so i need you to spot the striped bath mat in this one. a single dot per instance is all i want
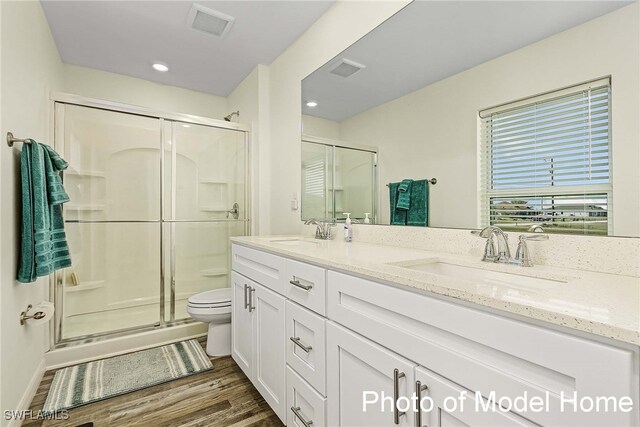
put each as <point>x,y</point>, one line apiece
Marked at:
<point>89,382</point>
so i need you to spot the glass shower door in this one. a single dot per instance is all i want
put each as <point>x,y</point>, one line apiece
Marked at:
<point>204,205</point>
<point>354,183</point>
<point>317,181</point>
<point>112,221</point>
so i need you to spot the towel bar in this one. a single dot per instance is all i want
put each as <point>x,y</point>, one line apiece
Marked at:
<point>11,139</point>
<point>431,181</point>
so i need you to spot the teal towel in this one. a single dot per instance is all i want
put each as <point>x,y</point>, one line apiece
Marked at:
<point>418,211</point>
<point>418,214</point>
<point>397,216</point>
<point>404,195</point>
<point>44,246</point>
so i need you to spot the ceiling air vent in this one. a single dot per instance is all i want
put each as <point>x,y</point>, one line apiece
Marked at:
<point>346,68</point>
<point>210,21</point>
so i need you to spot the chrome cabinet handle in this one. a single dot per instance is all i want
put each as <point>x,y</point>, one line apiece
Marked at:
<point>246,304</point>
<point>419,389</point>
<point>396,395</point>
<point>296,411</point>
<point>305,348</point>
<point>251,292</point>
<point>297,283</point>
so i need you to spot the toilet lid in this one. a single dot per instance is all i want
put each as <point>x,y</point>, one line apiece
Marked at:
<point>219,297</point>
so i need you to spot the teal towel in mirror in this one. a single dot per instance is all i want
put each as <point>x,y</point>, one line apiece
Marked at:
<point>404,194</point>
<point>397,216</point>
<point>44,246</point>
<point>417,211</point>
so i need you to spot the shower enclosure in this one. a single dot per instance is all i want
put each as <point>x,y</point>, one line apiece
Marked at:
<point>154,200</point>
<point>337,179</point>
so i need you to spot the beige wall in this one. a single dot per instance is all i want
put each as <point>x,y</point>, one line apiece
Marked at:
<point>433,132</point>
<point>30,68</point>
<point>322,128</point>
<point>251,98</point>
<point>337,29</point>
<point>104,85</point>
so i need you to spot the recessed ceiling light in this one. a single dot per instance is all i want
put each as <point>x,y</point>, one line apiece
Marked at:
<point>312,104</point>
<point>158,66</point>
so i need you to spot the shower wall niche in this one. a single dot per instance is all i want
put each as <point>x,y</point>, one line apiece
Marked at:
<point>149,219</point>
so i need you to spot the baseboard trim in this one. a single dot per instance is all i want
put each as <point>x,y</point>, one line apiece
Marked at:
<point>30,392</point>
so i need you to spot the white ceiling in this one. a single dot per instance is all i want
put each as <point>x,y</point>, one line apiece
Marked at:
<point>428,41</point>
<point>126,37</point>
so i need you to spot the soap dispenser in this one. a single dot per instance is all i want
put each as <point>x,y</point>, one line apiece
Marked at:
<point>348,232</point>
<point>366,218</point>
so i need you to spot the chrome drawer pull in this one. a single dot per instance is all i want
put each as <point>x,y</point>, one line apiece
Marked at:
<point>396,395</point>
<point>296,411</point>
<point>297,342</point>
<point>419,389</point>
<point>246,304</point>
<point>251,306</point>
<point>300,285</point>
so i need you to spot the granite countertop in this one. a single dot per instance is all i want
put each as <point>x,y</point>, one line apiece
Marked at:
<point>607,305</point>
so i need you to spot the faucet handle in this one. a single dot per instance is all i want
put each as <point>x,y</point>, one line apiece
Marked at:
<point>535,237</point>
<point>523,256</point>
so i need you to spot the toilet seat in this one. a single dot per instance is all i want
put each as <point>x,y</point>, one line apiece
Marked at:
<point>217,298</point>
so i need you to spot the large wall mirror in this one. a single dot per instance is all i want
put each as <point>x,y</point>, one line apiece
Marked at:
<point>526,113</point>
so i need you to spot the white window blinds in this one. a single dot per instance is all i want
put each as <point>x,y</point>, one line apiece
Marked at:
<point>545,162</point>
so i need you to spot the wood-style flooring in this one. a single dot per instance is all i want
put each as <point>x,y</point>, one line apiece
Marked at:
<point>221,397</point>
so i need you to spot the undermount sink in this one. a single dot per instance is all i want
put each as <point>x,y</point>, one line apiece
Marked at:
<point>294,242</point>
<point>481,275</point>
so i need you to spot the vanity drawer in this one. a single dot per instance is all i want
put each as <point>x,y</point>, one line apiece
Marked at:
<point>486,352</point>
<point>306,285</point>
<point>304,403</point>
<point>307,329</point>
<point>262,267</point>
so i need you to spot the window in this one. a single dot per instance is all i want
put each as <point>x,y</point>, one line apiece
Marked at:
<point>545,162</point>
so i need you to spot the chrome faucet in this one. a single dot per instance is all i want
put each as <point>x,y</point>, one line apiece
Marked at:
<point>497,247</point>
<point>324,228</point>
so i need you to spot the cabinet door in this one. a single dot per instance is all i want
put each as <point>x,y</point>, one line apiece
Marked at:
<point>360,381</point>
<point>241,324</point>
<point>269,348</point>
<point>446,404</point>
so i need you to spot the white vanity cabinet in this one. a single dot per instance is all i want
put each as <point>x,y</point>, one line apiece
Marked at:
<point>357,368</point>
<point>257,337</point>
<point>320,346</point>
<point>488,353</point>
<point>278,332</point>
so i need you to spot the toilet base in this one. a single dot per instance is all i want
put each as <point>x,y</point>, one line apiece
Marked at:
<point>219,339</point>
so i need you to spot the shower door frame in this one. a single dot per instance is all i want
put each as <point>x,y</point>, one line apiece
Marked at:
<point>164,118</point>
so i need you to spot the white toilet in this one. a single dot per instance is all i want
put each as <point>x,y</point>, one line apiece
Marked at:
<point>214,307</point>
